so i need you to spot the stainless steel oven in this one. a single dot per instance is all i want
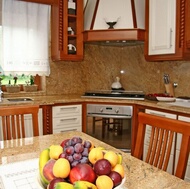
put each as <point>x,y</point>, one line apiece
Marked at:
<point>110,124</point>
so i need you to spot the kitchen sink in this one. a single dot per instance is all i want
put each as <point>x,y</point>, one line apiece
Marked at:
<point>19,99</point>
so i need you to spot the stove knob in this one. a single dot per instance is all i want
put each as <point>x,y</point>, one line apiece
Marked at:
<point>101,109</point>
<point>117,111</point>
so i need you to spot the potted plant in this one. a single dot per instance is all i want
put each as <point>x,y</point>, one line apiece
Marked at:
<point>30,86</point>
<point>13,88</point>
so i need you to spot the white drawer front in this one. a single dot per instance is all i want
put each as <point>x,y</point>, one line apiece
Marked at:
<point>65,129</point>
<point>67,110</point>
<point>67,122</point>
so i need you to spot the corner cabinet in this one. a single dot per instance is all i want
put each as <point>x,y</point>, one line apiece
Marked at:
<point>167,30</point>
<point>67,30</point>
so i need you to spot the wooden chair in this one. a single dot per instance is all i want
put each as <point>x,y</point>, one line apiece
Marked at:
<point>12,120</point>
<point>162,136</point>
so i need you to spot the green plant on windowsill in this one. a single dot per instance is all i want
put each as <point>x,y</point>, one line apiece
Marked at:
<point>30,86</point>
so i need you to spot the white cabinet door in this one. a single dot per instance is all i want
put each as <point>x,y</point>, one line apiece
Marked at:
<point>179,137</point>
<point>147,137</point>
<point>67,118</point>
<point>162,27</point>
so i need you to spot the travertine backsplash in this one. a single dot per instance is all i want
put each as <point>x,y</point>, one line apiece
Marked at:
<point>102,64</point>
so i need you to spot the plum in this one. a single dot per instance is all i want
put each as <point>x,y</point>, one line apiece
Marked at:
<point>102,167</point>
<point>116,178</point>
<point>53,182</point>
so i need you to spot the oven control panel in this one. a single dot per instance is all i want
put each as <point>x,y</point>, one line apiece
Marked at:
<point>108,110</point>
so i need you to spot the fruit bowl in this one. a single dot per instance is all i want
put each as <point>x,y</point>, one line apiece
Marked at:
<point>121,186</point>
<point>77,164</point>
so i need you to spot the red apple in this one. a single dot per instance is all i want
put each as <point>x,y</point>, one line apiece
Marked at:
<point>116,178</point>
<point>102,167</point>
<point>83,172</point>
<point>48,170</point>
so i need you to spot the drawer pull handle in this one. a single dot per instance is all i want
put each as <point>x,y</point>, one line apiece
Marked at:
<point>68,119</point>
<point>62,131</point>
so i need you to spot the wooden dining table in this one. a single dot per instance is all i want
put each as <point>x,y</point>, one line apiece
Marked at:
<point>139,175</point>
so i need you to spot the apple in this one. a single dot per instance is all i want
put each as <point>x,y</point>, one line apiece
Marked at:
<point>116,178</point>
<point>48,170</point>
<point>83,172</point>
<point>102,167</point>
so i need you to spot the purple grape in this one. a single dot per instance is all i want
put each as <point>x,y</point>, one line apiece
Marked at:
<point>77,156</point>
<point>87,144</point>
<point>74,163</point>
<point>70,158</point>
<point>85,152</point>
<point>63,155</point>
<point>69,150</point>
<point>79,148</point>
<point>68,143</point>
<point>76,140</point>
<point>84,160</point>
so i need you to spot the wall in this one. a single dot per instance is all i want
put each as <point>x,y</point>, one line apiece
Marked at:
<point>103,63</point>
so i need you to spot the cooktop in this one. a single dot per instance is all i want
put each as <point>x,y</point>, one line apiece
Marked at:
<point>115,94</point>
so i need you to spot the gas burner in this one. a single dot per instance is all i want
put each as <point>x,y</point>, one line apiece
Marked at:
<point>133,95</point>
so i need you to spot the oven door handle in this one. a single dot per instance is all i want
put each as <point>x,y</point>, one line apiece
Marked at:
<point>110,116</point>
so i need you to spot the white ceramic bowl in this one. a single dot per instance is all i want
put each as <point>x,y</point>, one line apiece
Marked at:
<point>121,186</point>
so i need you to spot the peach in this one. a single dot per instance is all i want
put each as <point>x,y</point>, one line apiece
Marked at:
<point>48,170</point>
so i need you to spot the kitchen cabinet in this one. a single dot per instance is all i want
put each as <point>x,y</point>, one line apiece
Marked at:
<point>147,138</point>
<point>67,30</point>
<point>28,122</point>
<point>67,118</point>
<point>167,30</point>
<point>179,137</point>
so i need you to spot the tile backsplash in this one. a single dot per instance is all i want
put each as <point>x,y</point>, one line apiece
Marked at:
<point>102,64</point>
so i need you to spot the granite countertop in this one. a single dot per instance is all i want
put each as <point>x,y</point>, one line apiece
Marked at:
<point>139,175</point>
<point>58,99</point>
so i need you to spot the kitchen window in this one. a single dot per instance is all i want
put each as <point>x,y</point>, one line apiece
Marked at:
<point>24,37</point>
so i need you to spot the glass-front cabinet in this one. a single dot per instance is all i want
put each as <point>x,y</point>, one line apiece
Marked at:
<point>67,30</point>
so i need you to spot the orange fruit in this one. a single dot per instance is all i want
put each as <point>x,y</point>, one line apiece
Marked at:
<point>112,157</point>
<point>120,169</point>
<point>104,182</point>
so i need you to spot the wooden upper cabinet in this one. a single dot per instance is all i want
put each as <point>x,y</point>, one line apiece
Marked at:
<point>67,30</point>
<point>167,34</point>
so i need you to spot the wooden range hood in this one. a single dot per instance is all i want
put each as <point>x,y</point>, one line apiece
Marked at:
<point>114,21</point>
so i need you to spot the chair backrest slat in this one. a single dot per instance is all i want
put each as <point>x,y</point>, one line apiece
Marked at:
<point>163,136</point>
<point>13,124</point>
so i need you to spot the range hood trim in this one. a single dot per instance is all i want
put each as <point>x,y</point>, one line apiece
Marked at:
<point>114,35</point>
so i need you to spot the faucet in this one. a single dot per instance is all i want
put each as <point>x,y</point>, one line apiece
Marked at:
<point>1,92</point>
